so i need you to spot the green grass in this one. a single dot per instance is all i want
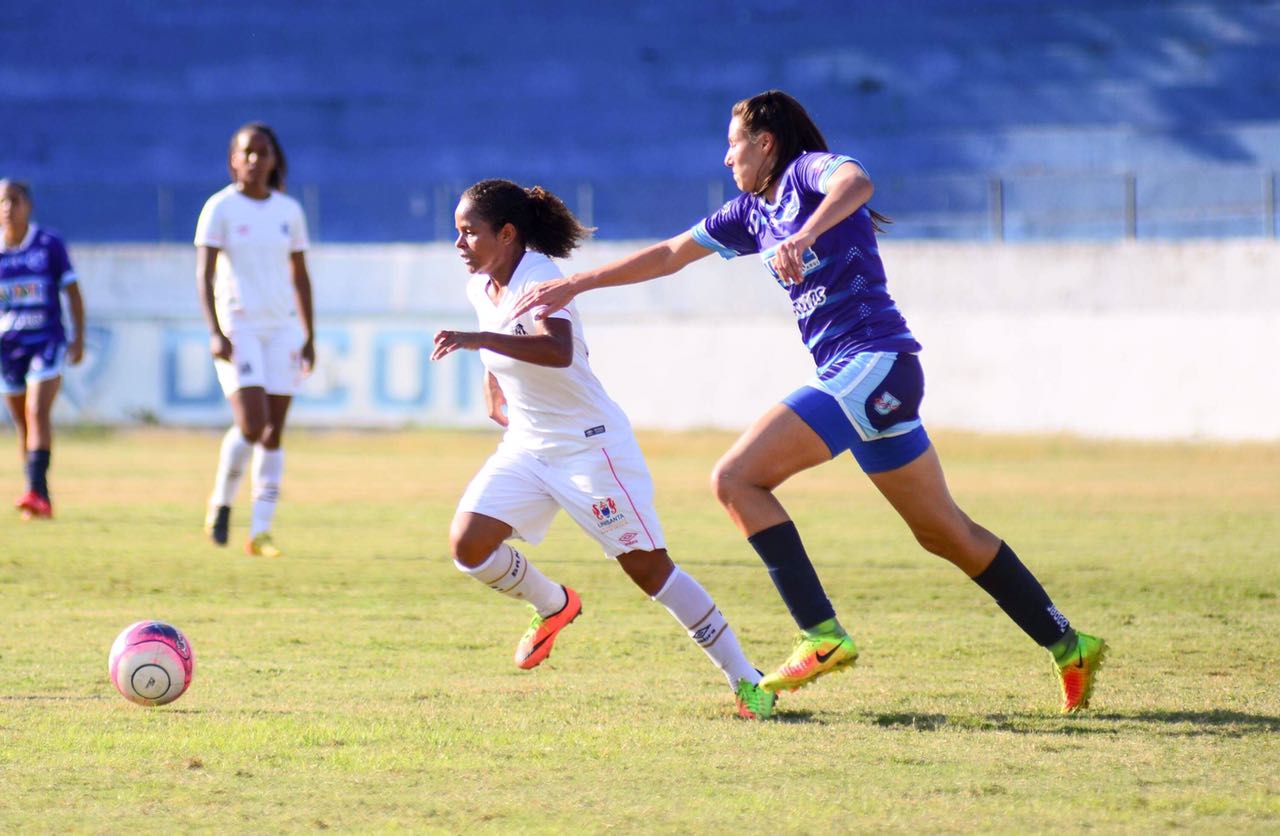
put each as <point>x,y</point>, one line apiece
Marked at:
<point>362,683</point>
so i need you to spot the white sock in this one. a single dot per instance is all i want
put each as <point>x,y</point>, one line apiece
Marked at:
<point>268,468</point>
<point>232,458</point>
<point>685,598</point>
<point>509,572</point>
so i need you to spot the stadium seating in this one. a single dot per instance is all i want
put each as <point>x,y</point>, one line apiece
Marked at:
<point>987,119</point>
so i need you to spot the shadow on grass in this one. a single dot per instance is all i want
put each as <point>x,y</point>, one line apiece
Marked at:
<point>1219,723</point>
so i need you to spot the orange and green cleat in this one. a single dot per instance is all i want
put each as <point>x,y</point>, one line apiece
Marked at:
<point>535,644</point>
<point>263,546</point>
<point>754,702</point>
<point>1078,670</point>
<point>815,655</point>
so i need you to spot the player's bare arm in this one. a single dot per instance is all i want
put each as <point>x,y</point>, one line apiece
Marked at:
<point>206,268</point>
<point>848,191</point>
<point>661,259</point>
<point>75,303</point>
<point>550,345</point>
<point>302,290</point>
<point>494,400</point>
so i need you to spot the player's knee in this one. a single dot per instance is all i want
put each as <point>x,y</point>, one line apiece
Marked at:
<point>469,549</point>
<point>648,570</point>
<point>727,481</point>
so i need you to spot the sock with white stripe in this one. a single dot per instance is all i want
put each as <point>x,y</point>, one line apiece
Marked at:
<point>268,469</point>
<point>511,573</point>
<point>685,598</point>
<point>232,458</point>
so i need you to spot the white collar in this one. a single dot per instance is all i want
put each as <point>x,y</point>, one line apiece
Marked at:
<point>23,244</point>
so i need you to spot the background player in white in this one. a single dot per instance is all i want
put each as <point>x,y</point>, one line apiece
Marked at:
<point>567,445</point>
<point>251,242</point>
<point>34,272</point>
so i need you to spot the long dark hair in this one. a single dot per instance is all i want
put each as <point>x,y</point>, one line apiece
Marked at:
<point>276,181</point>
<point>793,130</point>
<point>544,224</point>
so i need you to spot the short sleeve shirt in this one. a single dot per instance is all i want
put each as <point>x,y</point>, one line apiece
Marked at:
<point>255,239</point>
<point>32,276</point>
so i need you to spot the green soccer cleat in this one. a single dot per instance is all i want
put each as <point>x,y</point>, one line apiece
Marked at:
<point>754,702</point>
<point>1077,673</point>
<point>814,656</point>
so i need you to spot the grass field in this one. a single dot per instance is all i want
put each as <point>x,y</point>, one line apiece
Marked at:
<point>361,683</point>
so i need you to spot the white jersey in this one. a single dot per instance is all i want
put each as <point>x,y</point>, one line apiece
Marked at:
<point>549,410</point>
<point>254,282</point>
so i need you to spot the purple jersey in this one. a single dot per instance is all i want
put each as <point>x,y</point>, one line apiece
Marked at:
<point>32,276</point>
<point>842,307</point>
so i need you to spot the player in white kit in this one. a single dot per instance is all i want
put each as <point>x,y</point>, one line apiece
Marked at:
<point>254,288</point>
<point>567,444</point>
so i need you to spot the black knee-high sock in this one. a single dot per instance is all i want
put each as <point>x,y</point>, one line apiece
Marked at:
<point>1022,597</point>
<point>38,472</point>
<point>792,573</point>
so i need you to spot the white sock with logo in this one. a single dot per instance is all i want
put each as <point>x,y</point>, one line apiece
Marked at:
<point>232,458</point>
<point>509,572</point>
<point>685,598</point>
<point>268,469</point>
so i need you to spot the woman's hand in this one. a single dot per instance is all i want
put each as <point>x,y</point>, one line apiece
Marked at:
<point>308,356</point>
<point>788,259</point>
<point>220,346</point>
<point>447,342</point>
<point>545,298</point>
<point>75,351</point>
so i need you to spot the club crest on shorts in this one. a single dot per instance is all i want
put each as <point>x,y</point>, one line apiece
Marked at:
<point>607,515</point>
<point>885,404</point>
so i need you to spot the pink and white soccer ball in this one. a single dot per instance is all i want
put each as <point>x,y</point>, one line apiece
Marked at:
<point>151,663</point>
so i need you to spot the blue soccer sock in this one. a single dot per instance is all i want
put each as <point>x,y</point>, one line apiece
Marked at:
<point>1022,598</point>
<point>793,574</point>
<point>38,472</point>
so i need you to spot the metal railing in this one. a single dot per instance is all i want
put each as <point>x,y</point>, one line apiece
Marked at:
<point>1213,203</point>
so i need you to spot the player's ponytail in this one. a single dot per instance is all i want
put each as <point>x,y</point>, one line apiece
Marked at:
<point>541,220</point>
<point>553,229</point>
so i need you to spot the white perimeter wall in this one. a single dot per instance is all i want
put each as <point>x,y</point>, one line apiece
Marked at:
<point>1132,340</point>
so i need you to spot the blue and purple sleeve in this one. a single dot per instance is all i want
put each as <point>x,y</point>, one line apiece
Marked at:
<point>727,231</point>
<point>815,168</point>
<point>60,263</point>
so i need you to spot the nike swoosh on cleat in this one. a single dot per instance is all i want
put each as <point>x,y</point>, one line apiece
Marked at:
<point>1080,660</point>
<point>822,660</point>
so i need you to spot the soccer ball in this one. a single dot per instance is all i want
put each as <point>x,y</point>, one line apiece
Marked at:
<point>151,663</point>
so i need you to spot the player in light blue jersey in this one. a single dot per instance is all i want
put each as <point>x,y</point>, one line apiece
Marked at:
<point>34,273</point>
<point>804,211</point>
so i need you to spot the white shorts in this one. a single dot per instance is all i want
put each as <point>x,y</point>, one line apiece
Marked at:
<point>269,357</point>
<point>608,492</point>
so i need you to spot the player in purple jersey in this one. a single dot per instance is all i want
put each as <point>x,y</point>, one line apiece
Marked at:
<point>805,212</point>
<point>34,272</point>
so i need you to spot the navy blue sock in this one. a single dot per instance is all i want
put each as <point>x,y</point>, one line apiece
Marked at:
<point>1022,598</point>
<point>38,472</point>
<point>792,573</point>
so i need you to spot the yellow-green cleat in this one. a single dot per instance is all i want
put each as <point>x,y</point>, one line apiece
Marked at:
<point>754,702</point>
<point>1078,671</point>
<point>263,546</point>
<point>813,656</point>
